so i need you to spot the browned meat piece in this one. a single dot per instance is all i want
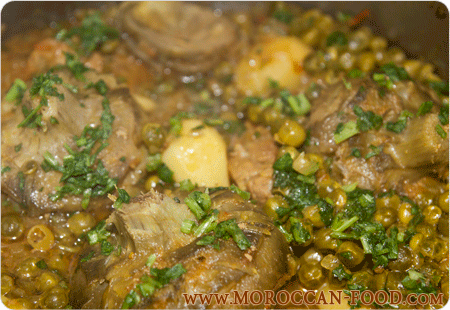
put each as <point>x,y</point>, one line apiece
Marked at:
<point>150,224</point>
<point>251,160</point>
<point>335,105</point>
<point>181,36</point>
<point>76,111</point>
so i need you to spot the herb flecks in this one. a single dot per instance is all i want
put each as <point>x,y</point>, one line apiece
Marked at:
<point>92,32</point>
<point>82,172</point>
<point>43,86</point>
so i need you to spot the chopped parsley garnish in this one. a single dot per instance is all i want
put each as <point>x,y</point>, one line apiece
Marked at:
<point>176,122</point>
<point>440,131</point>
<point>92,32</point>
<point>43,86</point>
<point>200,205</point>
<point>401,123</point>
<point>299,233</point>
<point>425,108</point>
<point>337,38</point>
<point>299,193</point>
<point>21,178</point>
<point>157,279</point>
<point>154,162</point>
<point>355,73</point>
<point>341,274</point>
<point>83,173</point>
<point>394,72</point>
<point>441,87</point>
<point>98,233</point>
<point>367,119</point>
<point>53,120</point>
<point>245,195</point>
<point>415,282</point>
<point>343,17</point>
<point>345,131</point>
<point>123,198</point>
<point>165,174</point>
<point>16,92</point>
<point>76,67</point>
<point>6,169</point>
<point>347,84</point>
<point>443,114</point>
<point>374,150</point>
<point>284,102</point>
<point>231,229</point>
<point>187,185</point>
<point>18,147</point>
<point>87,257</point>
<point>356,153</point>
<point>391,74</point>
<point>100,86</point>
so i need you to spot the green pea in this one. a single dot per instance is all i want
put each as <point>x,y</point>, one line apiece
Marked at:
<point>394,281</point>
<point>272,204</point>
<point>56,298</point>
<point>350,254</point>
<point>28,268</point>
<point>311,276</point>
<point>363,278</point>
<point>7,283</point>
<point>291,133</point>
<point>405,259</point>
<point>386,216</point>
<point>153,136</point>
<point>311,256</point>
<point>80,222</point>
<point>47,280</point>
<point>324,242</point>
<point>12,227</point>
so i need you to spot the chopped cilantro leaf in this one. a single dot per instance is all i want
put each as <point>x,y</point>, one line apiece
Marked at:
<point>43,86</point>
<point>231,228</point>
<point>355,153</point>
<point>367,120</point>
<point>337,38</point>
<point>21,178</point>
<point>440,131</point>
<point>92,33</point>
<point>75,66</point>
<point>425,108</point>
<point>41,264</point>
<point>355,73</point>
<point>341,274</point>
<point>16,92</point>
<point>443,114</point>
<point>123,198</point>
<point>6,169</point>
<point>345,131</point>
<point>245,195</point>
<point>187,185</point>
<point>100,86</point>
<point>18,147</point>
<point>165,174</point>
<point>374,150</point>
<point>440,87</point>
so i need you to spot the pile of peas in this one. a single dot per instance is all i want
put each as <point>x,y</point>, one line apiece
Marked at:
<point>39,255</point>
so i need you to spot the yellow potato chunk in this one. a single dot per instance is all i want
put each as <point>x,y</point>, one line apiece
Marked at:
<point>280,59</point>
<point>199,155</point>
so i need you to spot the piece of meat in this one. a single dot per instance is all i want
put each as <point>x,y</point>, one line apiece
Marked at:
<point>76,111</point>
<point>251,159</point>
<point>408,149</point>
<point>150,224</point>
<point>182,36</point>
